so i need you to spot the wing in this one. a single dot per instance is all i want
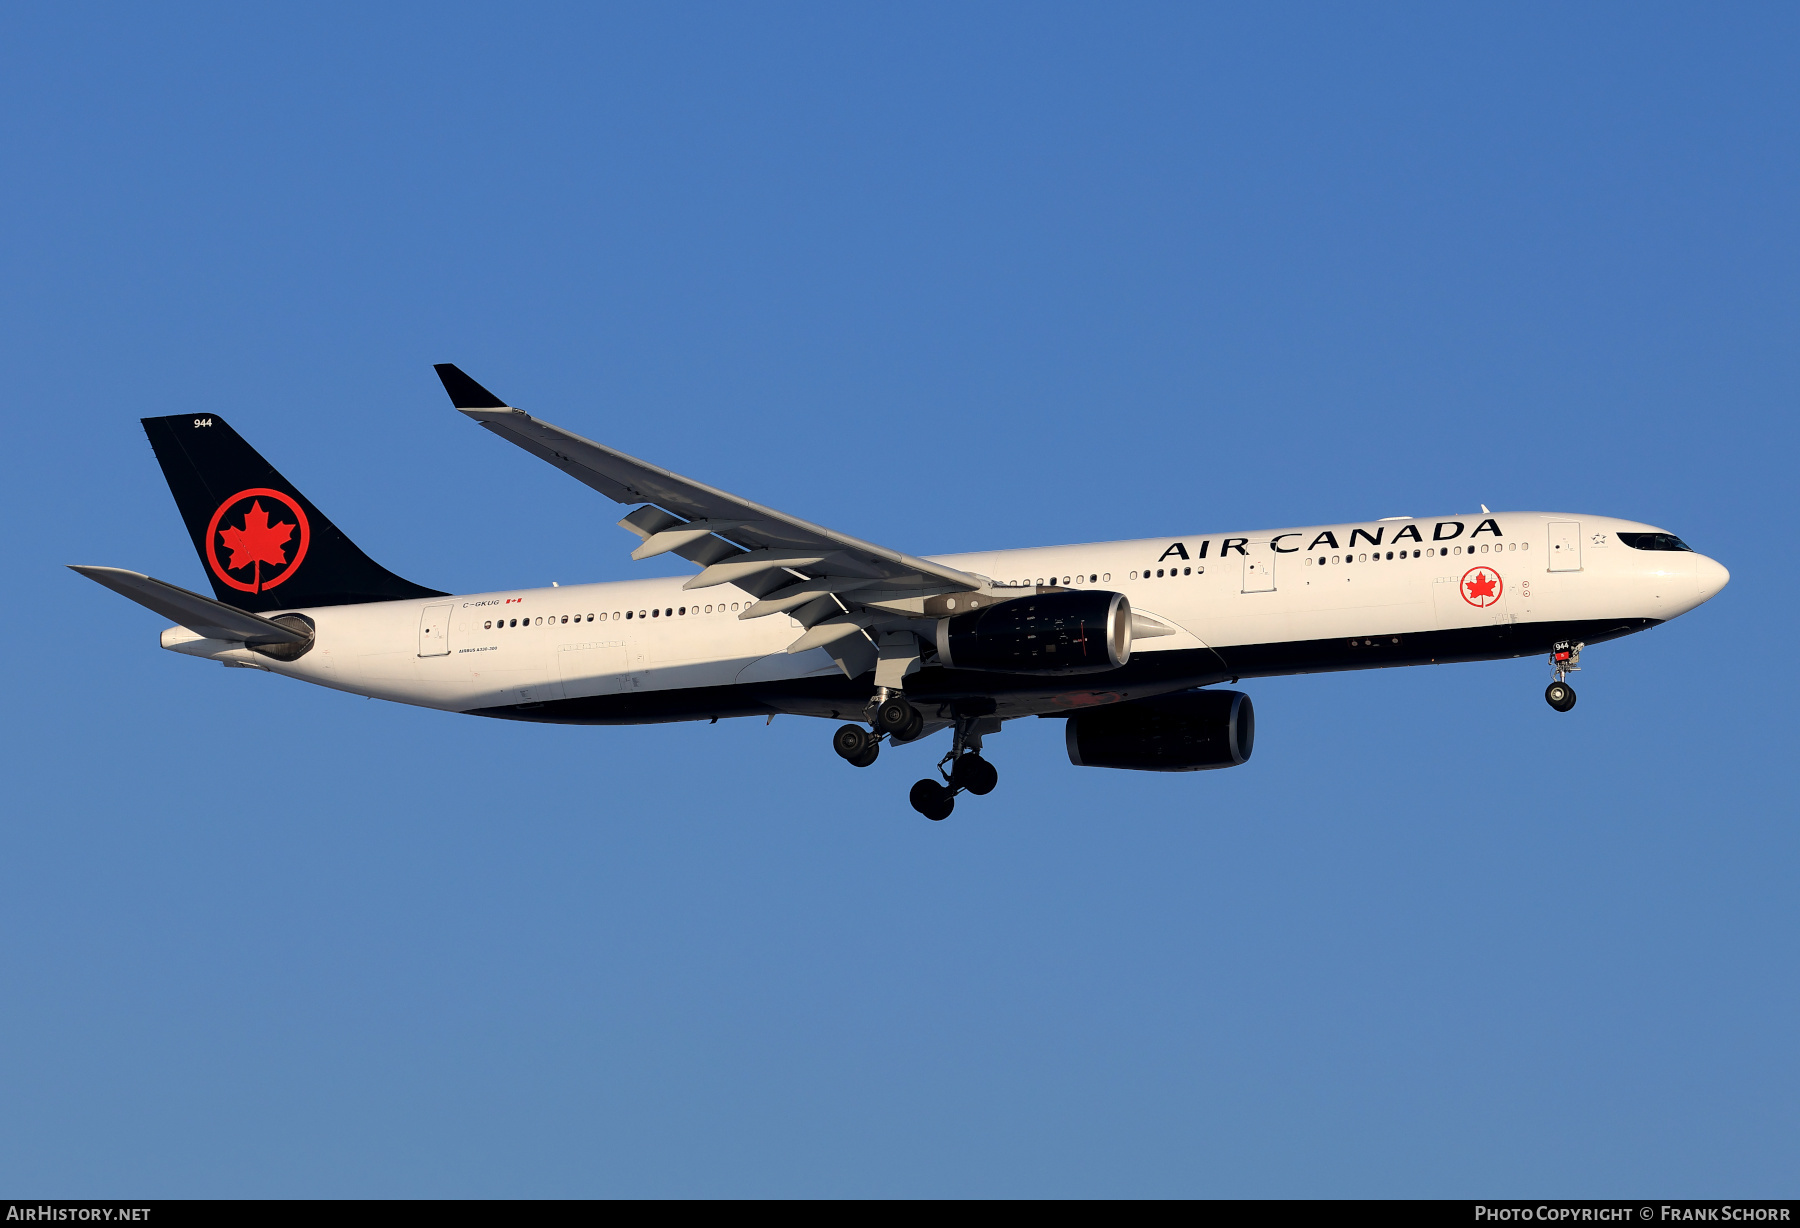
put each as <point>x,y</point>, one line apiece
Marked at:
<point>841,589</point>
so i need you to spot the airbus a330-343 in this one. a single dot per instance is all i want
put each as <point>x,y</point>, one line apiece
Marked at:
<point>1127,641</point>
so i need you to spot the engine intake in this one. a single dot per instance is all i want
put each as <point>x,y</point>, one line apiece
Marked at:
<point>1190,732</point>
<point>1051,633</point>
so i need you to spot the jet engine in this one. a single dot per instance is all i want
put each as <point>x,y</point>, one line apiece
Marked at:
<point>1050,633</point>
<point>1188,732</point>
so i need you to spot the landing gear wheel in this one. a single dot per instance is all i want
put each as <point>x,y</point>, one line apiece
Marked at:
<point>899,719</point>
<point>973,773</point>
<point>1560,695</point>
<point>853,741</point>
<point>932,800</point>
<point>867,757</point>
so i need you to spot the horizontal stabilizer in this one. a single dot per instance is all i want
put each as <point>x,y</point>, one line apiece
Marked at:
<point>213,619</point>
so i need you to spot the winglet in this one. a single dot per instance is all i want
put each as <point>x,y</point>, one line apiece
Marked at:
<point>464,392</point>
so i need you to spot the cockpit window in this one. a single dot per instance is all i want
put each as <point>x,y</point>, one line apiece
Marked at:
<point>1654,541</point>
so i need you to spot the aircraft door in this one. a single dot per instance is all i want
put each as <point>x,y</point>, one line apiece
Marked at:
<point>1259,568</point>
<point>594,668</point>
<point>1565,545</point>
<point>434,631</point>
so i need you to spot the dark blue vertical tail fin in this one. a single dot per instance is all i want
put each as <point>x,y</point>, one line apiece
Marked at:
<point>263,544</point>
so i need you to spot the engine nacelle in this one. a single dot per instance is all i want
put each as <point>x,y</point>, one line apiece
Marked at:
<point>1189,732</point>
<point>1050,633</point>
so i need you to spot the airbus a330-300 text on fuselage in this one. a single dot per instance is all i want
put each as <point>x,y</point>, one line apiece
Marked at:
<point>1128,642</point>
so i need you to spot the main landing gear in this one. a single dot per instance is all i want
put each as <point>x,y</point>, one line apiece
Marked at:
<point>968,773</point>
<point>1565,659</point>
<point>897,720</point>
<point>856,745</point>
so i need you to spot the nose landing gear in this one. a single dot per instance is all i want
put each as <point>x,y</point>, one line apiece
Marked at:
<point>1565,659</point>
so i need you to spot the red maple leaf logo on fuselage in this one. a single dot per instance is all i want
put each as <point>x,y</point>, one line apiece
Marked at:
<point>258,541</point>
<point>1481,586</point>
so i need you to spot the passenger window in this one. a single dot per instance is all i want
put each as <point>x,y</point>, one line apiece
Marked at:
<point>1134,575</point>
<point>487,626</point>
<point>1106,577</point>
<point>627,613</point>
<point>1093,579</point>
<point>1524,545</point>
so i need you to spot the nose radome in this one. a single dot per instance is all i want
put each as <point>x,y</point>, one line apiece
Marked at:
<point>1710,577</point>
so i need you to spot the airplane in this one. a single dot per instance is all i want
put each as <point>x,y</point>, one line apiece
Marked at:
<point>1128,642</point>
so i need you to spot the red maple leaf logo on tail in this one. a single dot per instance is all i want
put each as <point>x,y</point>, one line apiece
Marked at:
<point>258,541</point>
<point>1481,586</point>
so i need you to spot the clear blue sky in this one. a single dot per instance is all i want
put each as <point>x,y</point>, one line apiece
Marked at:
<point>949,278</point>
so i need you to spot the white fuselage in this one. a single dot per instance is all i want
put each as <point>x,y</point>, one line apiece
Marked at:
<point>1219,591</point>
